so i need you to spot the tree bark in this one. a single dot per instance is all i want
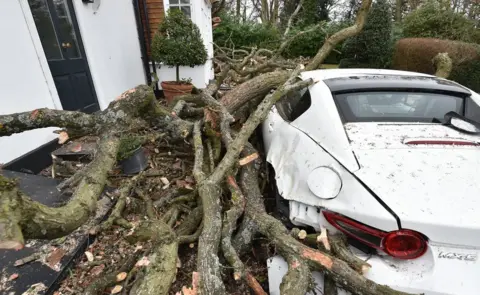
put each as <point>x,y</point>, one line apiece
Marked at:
<point>20,217</point>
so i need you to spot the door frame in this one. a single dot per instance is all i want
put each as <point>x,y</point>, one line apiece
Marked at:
<point>37,43</point>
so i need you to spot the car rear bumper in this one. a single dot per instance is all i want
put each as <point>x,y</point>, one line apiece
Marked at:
<point>443,270</point>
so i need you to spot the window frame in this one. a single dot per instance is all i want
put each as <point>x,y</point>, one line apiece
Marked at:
<point>179,6</point>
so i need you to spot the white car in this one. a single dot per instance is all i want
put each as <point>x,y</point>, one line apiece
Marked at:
<point>370,153</point>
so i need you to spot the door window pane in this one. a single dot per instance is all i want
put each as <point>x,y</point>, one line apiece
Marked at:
<point>44,24</point>
<point>67,32</point>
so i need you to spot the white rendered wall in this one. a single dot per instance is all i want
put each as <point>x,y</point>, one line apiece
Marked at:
<point>110,38</point>
<point>25,82</point>
<point>200,75</point>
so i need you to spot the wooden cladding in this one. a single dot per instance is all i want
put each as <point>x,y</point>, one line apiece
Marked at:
<point>156,13</point>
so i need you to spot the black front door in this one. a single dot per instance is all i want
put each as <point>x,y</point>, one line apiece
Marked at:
<point>62,43</point>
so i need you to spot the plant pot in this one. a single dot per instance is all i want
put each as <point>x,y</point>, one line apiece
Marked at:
<point>136,163</point>
<point>171,89</point>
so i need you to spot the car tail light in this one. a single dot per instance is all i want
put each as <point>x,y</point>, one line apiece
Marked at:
<point>401,244</point>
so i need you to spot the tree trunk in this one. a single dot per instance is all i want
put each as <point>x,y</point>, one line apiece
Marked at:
<point>238,8</point>
<point>398,10</point>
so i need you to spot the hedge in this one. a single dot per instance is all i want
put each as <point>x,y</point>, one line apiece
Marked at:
<point>416,54</point>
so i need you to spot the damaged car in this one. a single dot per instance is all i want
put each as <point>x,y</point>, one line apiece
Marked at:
<point>391,159</point>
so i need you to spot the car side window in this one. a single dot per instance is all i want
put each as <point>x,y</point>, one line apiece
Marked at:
<point>472,109</point>
<point>293,105</point>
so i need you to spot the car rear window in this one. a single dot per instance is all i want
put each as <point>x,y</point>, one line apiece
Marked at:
<point>388,106</point>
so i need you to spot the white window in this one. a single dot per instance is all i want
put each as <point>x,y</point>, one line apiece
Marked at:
<point>183,5</point>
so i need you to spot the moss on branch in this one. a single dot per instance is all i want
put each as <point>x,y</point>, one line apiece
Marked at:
<point>42,222</point>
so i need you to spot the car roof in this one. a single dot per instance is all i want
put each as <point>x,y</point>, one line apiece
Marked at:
<point>341,80</point>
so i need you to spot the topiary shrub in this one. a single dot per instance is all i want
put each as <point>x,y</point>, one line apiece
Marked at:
<point>432,21</point>
<point>373,46</point>
<point>178,42</point>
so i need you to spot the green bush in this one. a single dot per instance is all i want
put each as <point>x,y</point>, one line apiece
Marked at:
<point>373,46</point>
<point>178,42</point>
<point>432,21</point>
<point>233,33</point>
<point>307,45</point>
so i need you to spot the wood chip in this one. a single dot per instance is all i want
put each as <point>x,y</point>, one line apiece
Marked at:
<point>323,238</point>
<point>76,148</point>
<point>117,289</point>
<point>34,114</point>
<point>248,159</point>
<point>165,181</point>
<point>121,276</point>
<point>96,270</point>
<point>143,262</point>
<point>89,256</point>
<point>302,234</point>
<point>179,263</point>
<point>55,257</point>
<point>62,137</point>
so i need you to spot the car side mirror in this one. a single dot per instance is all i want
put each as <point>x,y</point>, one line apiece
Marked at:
<point>461,123</point>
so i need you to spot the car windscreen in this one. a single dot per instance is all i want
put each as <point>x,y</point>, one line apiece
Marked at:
<point>397,106</point>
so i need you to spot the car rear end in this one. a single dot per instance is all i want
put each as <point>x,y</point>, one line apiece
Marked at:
<point>424,174</point>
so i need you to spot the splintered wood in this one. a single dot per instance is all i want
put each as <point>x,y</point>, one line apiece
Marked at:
<point>244,161</point>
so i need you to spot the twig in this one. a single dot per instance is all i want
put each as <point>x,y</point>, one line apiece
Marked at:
<point>210,155</point>
<point>253,283</point>
<point>28,259</point>
<point>191,238</point>
<point>292,17</point>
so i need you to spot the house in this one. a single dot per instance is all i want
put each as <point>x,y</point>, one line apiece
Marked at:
<point>81,54</point>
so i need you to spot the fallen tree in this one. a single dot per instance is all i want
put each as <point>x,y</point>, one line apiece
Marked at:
<point>225,164</point>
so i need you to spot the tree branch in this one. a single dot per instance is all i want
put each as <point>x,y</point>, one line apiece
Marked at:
<point>42,222</point>
<point>41,118</point>
<point>229,224</point>
<point>253,121</point>
<point>341,35</point>
<point>292,17</point>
